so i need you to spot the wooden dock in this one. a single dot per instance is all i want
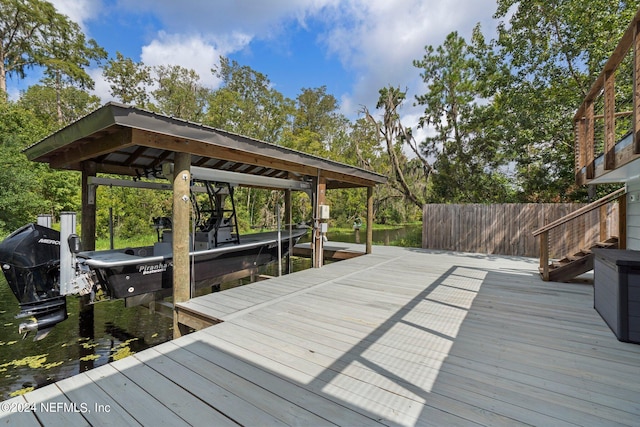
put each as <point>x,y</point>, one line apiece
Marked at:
<point>398,337</point>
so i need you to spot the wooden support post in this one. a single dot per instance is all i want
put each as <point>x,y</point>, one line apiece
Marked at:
<point>181,216</point>
<point>609,120</point>
<point>369,242</point>
<point>603,222</point>
<point>288,219</point>
<point>622,222</point>
<point>321,198</point>
<point>544,255</point>
<point>581,145</point>
<point>88,220</point>
<point>589,145</point>
<point>88,235</point>
<point>636,92</point>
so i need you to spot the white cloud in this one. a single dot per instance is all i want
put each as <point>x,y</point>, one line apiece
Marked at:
<point>191,52</point>
<point>101,88</point>
<point>256,18</point>
<point>379,39</point>
<point>376,41</point>
<point>79,11</point>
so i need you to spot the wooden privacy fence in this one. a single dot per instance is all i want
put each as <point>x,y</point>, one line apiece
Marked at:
<point>506,229</point>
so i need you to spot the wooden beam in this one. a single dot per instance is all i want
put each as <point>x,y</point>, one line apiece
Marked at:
<point>88,220</point>
<point>580,146</point>
<point>211,150</point>
<point>544,255</point>
<point>181,216</point>
<point>602,223</point>
<point>88,234</point>
<point>208,149</point>
<point>77,153</point>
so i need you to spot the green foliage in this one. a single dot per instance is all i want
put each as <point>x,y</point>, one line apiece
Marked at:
<point>128,80</point>
<point>498,116</point>
<point>33,33</point>
<point>179,93</point>
<point>554,51</point>
<point>20,180</point>
<point>467,153</point>
<point>49,105</point>
<point>132,210</point>
<point>247,104</point>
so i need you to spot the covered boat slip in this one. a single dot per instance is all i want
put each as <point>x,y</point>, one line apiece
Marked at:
<point>398,337</point>
<point>127,141</point>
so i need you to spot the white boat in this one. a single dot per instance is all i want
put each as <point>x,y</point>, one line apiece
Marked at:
<point>30,260</point>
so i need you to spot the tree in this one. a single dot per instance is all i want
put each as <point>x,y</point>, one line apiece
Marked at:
<point>128,80</point>
<point>20,184</point>
<point>394,135</point>
<point>53,108</point>
<point>247,104</point>
<point>179,93</point>
<point>555,50</point>
<point>33,33</point>
<point>459,110</point>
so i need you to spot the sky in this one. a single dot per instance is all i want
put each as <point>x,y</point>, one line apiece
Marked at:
<point>353,47</point>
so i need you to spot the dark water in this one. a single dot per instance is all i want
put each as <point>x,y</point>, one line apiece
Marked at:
<point>410,236</point>
<point>117,331</point>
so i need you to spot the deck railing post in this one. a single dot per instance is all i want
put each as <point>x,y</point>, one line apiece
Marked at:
<point>589,145</point>
<point>544,255</point>
<point>636,84</point>
<point>602,220</point>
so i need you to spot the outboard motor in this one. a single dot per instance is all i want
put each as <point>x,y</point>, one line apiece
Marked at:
<point>30,261</point>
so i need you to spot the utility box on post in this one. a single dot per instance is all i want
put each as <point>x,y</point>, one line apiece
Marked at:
<point>323,213</point>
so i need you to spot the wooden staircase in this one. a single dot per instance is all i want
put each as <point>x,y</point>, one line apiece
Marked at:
<point>578,263</point>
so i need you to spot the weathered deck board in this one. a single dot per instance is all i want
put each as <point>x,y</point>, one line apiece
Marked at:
<point>399,337</point>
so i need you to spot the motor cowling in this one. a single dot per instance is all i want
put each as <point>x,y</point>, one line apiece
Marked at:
<point>30,260</point>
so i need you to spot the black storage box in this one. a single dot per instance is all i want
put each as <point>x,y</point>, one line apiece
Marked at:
<point>616,294</point>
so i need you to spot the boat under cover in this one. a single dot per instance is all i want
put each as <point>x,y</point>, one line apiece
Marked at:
<point>30,261</point>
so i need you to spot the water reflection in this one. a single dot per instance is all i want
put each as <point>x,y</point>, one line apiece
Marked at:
<point>108,331</point>
<point>104,332</point>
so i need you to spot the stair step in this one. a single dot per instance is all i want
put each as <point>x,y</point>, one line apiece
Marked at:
<point>605,245</point>
<point>581,261</point>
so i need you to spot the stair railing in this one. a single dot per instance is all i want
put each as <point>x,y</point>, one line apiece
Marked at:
<point>544,232</point>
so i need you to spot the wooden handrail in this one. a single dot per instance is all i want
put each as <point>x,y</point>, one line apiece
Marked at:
<point>543,232</point>
<point>603,93</point>
<point>611,65</point>
<point>583,210</point>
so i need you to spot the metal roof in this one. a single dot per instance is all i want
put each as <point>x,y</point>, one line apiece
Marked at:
<point>125,140</point>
